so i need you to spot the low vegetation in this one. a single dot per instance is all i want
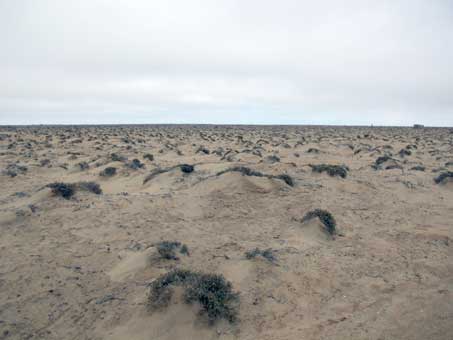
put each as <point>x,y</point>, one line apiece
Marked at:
<point>443,177</point>
<point>167,249</point>
<point>325,217</point>
<point>249,172</point>
<point>67,190</point>
<point>108,172</point>
<point>331,170</point>
<point>266,254</point>
<point>212,292</point>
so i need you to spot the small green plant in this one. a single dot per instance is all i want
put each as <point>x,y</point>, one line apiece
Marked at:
<point>212,292</point>
<point>325,217</point>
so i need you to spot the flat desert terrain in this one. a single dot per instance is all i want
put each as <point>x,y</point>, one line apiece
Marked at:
<point>314,232</point>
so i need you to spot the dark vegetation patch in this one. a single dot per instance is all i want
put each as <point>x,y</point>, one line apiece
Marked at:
<point>267,254</point>
<point>332,170</point>
<point>92,187</point>
<point>167,249</point>
<point>404,152</point>
<point>186,168</point>
<point>325,217</point>
<point>108,172</point>
<point>443,177</point>
<point>135,164</point>
<point>64,190</point>
<point>202,149</point>
<point>249,172</point>
<point>393,166</point>
<point>13,170</point>
<point>212,292</point>
<point>418,168</point>
<point>67,190</point>
<point>117,158</point>
<point>44,162</point>
<point>149,157</point>
<point>83,166</point>
<point>313,150</point>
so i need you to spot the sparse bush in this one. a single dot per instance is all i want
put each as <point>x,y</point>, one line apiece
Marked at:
<point>213,293</point>
<point>135,164</point>
<point>117,158</point>
<point>90,186</point>
<point>64,190</point>
<point>83,166</point>
<point>312,150</point>
<point>249,172</point>
<point>332,170</point>
<point>186,168</point>
<point>443,176</point>
<point>149,157</point>
<point>418,168</point>
<point>267,254</point>
<point>202,149</point>
<point>108,172</point>
<point>285,178</point>
<point>167,249</point>
<point>404,152</point>
<point>325,217</point>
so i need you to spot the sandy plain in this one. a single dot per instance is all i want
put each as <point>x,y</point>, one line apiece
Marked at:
<point>81,268</point>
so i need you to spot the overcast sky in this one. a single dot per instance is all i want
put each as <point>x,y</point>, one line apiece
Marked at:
<point>252,62</point>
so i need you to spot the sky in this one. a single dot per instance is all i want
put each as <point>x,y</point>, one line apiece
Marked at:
<point>350,62</point>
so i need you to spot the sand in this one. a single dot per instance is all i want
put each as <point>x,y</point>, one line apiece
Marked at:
<point>80,268</point>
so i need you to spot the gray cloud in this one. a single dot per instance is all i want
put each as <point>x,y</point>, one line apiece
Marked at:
<point>324,62</point>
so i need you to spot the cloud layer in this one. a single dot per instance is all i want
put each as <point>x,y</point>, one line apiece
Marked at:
<point>288,62</point>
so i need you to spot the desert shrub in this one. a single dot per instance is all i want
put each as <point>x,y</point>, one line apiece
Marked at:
<point>404,152</point>
<point>243,170</point>
<point>44,162</point>
<point>149,157</point>
<point>64,190</point>
<point>325,217</point>
<point>117,158</point>
<point>212,292</point>
<point>135,164</point>
<point>273,159</point>
<point>186,168</point>
<point>393,166</point>
<point>332,170</point>
<point>312,150</point>
<point>202,149</point>
<point>382,159</point>
<point>286,178</point>
<point>184,250</point>
<point>249,172</point>
<point>167,249</point>
<point>267,254</point>
<point>443,176</point>
<point>83,165</point>
<point>108,172</point>
<point>418,168</point>
<point>90,186</point>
